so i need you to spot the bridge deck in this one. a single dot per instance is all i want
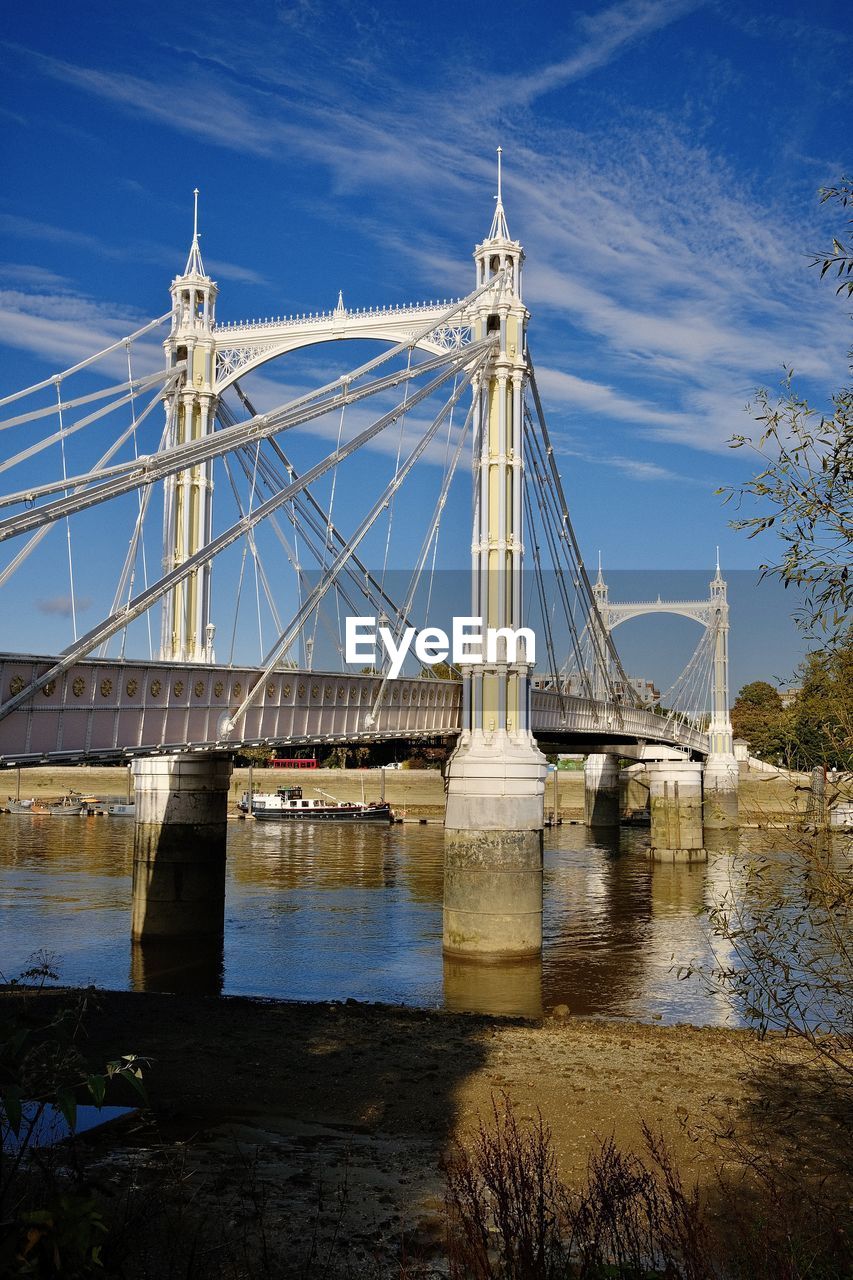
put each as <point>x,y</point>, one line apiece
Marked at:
<point>107,709</point>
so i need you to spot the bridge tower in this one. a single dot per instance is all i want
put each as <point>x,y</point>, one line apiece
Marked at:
<point>496,776</point>
<point>721,768</point>
<point>186,630</point>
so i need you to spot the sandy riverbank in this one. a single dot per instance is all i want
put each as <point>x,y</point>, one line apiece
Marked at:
<point>416,793</point>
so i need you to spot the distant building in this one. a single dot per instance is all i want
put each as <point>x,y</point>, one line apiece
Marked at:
<point>789,696</point>
<point>645,690</point>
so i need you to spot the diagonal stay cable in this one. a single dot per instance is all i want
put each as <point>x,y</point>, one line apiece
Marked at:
<point>158,589</point>
<point>542,490</point>
<point>121,479</point>
<point>308,498</point>
<point>285,640</point>
<point>84,364</point>
<point>424,552</point>
<point>570,532</point>
<point>167,378</point>
<point>305,523</point>
<point>40,533</point>
<point>130,384</point>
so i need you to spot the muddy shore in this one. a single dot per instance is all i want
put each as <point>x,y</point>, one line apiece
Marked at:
<point>336,1117</point>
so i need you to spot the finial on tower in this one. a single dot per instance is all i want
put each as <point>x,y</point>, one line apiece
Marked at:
<point>195,266</point>
<point>499,229</point>
<point>717,583</point>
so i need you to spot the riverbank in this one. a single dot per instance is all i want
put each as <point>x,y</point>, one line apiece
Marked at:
<point>765,799</point>
<point>328,1123</point>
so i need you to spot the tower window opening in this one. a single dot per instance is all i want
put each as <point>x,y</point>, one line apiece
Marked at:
<point>494,265</point>
<point>493,324</point>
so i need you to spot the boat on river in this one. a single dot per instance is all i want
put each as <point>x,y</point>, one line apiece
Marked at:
<point>288,804</point>
<point>68,806</point>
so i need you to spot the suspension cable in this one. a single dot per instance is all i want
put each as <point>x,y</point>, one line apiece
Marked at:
<point>211,549</point>
<point>84,364</point>
<point>123,477</point>
<point>67,518</point>
<point>436,519</point>
<point>286,639</point>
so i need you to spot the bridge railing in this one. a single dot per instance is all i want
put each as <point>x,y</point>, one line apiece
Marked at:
<point>335,316</point>
<point>565,713</point>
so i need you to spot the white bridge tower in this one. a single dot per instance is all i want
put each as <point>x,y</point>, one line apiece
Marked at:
<point>187,632</point>
<point>496,777</point>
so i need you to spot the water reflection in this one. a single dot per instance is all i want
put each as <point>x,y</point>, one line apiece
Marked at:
<point>324,912</point>
<point>192,967</point>
<point>505,989</point>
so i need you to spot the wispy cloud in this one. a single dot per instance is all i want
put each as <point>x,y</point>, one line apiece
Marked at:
<point>65,327</point>
<point>650,265</point>
<point>62,606</point>
<point>608,34</point>
<point>31,229</point>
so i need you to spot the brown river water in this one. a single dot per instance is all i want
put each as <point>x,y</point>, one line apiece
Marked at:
<point>331,913</point>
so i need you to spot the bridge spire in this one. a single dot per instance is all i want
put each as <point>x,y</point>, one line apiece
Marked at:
<point>499,229</point>
<point>195,266</point>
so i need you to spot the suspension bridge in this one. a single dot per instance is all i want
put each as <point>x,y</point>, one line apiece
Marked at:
<point>118,458</point>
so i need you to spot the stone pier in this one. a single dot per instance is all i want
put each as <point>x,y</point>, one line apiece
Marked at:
<point>601,790</point>
<point>676,811</point>
<point>179,846</point>
<point>493,849</point>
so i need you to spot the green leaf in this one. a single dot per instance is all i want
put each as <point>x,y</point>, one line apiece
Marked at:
<point>67,1104</point>
<point>97,1086</point>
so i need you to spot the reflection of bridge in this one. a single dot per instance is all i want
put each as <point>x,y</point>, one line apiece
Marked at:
<point>456,376</point>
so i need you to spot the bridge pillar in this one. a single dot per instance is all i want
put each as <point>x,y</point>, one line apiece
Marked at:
<point>601,790</point>
<point>179,846</point>
<point>676,810</point>
<point>496,777</point>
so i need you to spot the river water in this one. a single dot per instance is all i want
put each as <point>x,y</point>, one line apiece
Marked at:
<point>324,912</point>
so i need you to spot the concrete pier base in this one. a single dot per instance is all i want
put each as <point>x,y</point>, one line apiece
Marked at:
<point>721,791</point>
<point>179,846</point>
<point>676,811</point>
<point>493,848</point>
<point>601,791</point>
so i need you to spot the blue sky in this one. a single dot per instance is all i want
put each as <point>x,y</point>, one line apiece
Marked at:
<point>661,166</point>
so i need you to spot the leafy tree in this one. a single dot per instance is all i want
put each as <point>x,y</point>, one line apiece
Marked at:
<point>821,718</point>
<point>804,490</point>
<point>758,716</point>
